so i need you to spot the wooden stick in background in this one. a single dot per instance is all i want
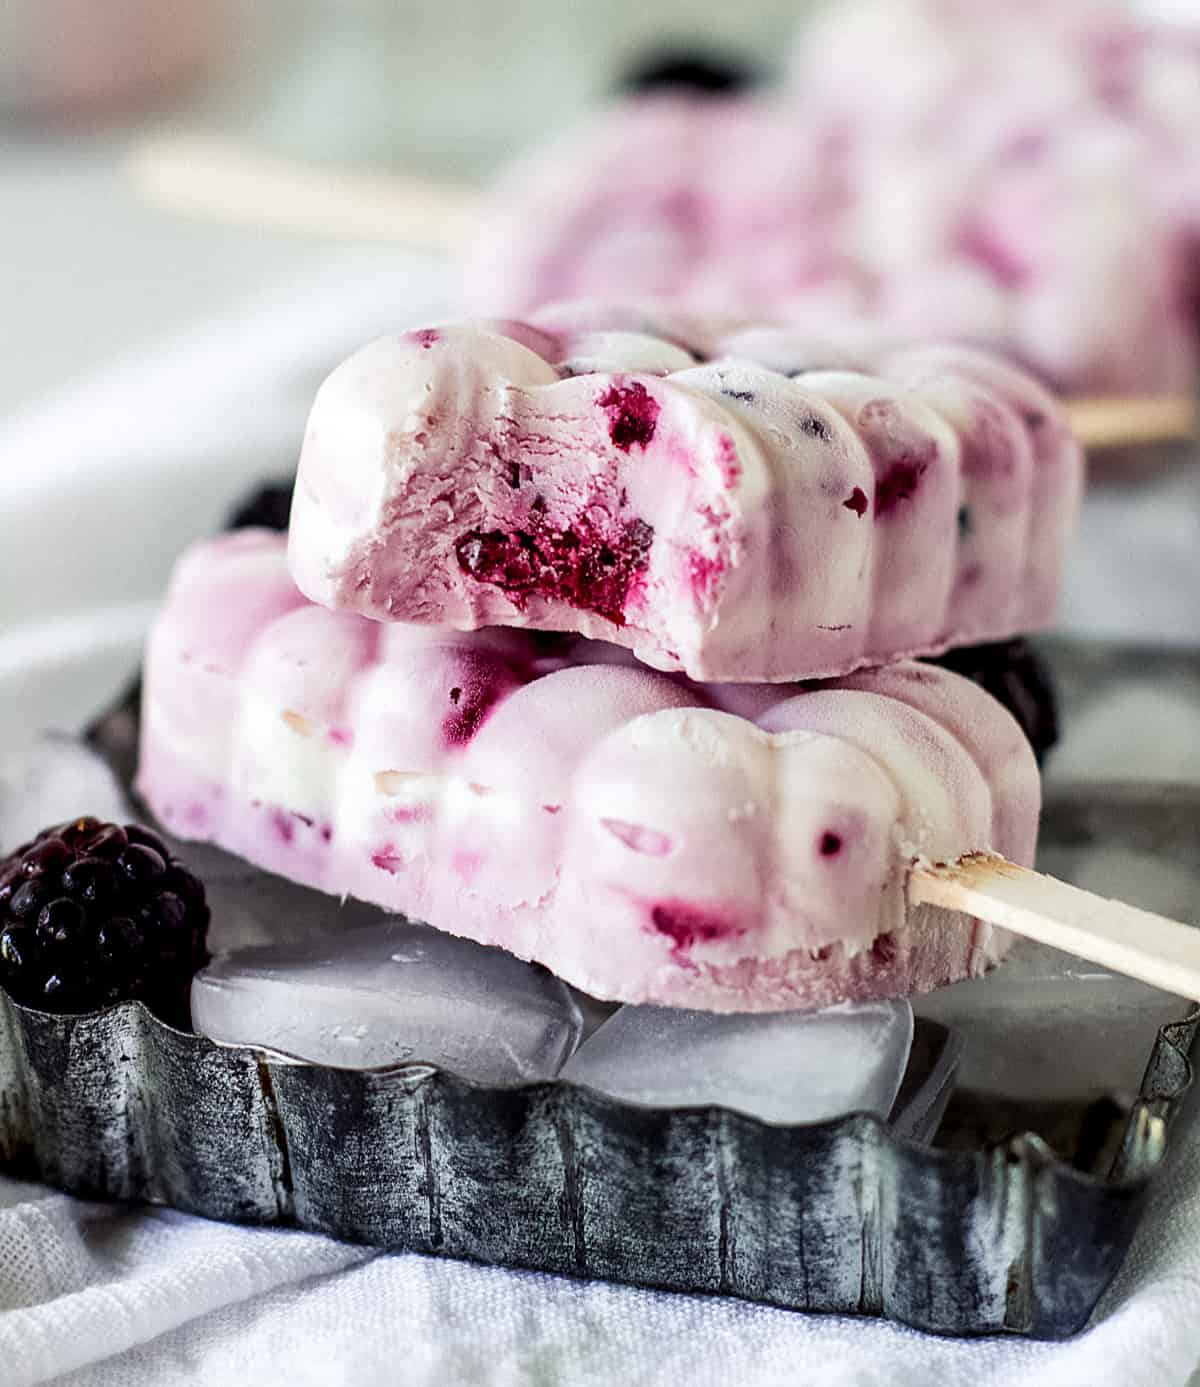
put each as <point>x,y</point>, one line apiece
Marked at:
<point>207,176</point>
<point>1104,422</point>
<point>1164,953</point>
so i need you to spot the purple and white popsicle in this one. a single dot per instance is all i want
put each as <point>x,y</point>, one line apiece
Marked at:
<point>693,491</point>
<point>733,848</point>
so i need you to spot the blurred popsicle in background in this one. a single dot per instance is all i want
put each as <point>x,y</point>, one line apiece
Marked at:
<point>906,172</point>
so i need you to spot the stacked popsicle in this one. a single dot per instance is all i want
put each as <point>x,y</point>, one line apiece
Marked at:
<point>658,802</point>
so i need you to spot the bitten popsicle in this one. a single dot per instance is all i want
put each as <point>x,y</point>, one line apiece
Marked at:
<point>696,492</point>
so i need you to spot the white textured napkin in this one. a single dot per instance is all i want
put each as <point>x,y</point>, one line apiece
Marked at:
<point>160,1298</point>
<point>99,488</point>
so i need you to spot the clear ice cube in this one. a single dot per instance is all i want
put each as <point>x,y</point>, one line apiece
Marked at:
<point>928,1083</point>
<point>787,1067</point>
<point>1046,1027</point>
<point>251,907</point>
<point>390,993</point>
<point>52,779</point>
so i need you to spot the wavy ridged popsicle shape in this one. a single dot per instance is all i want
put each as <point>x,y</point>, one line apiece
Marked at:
<point>699,494</point>
<point>649,840</point>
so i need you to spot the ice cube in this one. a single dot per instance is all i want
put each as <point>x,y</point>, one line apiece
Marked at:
<point>52,779</point>
<point>928,1083</point>
<point>787,1067</point>
<point>388,993</point>
<point>251,907</point>
<point>1046,1027</point>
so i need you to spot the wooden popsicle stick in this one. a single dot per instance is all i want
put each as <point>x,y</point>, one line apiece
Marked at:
<point>1101,422</point>
<point>206,176</point>
<point>1164,953</point>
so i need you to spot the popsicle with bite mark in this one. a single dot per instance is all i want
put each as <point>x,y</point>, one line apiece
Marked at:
<point>684,489</point>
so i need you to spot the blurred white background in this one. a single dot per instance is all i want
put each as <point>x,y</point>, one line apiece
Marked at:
<point>86,271</point>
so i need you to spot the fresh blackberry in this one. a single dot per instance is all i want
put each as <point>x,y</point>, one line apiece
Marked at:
<point>93,913</point>
<point>1016,676</point>
<point>268,508</point>
<point>693,70</point>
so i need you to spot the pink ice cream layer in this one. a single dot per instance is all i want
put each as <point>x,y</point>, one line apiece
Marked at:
<point>695,492</point>
<point>735,848</point>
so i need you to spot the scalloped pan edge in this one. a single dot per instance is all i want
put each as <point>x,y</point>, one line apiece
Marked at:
<point>840,1216</point>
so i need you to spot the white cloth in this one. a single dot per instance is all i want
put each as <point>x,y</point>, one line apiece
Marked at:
<point>160,1298</point>
<point>110,478</point>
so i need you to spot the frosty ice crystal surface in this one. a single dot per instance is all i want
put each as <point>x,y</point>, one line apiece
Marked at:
<point>387,993</point>
<point>788,1067</point>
